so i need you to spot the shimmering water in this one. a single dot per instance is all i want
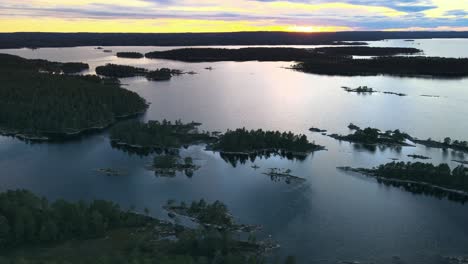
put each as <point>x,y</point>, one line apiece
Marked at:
<point>331,217</point>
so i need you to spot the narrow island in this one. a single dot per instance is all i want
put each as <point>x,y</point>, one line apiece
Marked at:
<point>35,230</point>
<point>420,177</point>
<point>63,105</point>
<point>373,136</point>
<point>130,55</point>
<point>124,71</point>
<point>399,66</point>
<point>367,51</point>
<point>368,90</point>
<point>318,130</point>
<point>414,156</point>
<point>168,165</point>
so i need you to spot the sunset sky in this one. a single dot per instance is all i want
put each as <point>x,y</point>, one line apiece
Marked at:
<point>231,15</point>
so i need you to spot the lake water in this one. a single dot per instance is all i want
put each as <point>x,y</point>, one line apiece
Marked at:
<point>333,216</point>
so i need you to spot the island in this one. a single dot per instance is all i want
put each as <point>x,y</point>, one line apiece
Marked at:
<point>373,136</point>
<point>414,156</point>
<point>273,54</point>
<point>260,142</point>
<point>368,90</point>
<point>35,230</point>
<point>124,71</point>
<point>130,55</point>
<point>448,143</point>
<point>63,105</point>
<point>367,51</point>
<point>417,176</point>
<point>168,165</point>
<point>279,174</point>
<point>156,135</point>
<point>399,66</point>
<point>318,130</point>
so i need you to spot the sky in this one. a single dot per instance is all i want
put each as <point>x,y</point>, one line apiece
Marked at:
<point>230,15</point>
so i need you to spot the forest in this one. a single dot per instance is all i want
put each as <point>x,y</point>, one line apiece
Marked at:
<point>157,135</point>
<point>34,230</point>
<point>400,66</point>
<point>37,103</point>
<point>251,141</point>
<point>440,175</point>
<point>130,55</point>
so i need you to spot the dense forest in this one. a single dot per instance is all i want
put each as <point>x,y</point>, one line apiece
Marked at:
<point>34,230</point>
<point>366,51</point>
<point>37,40</point>
<point>124,71</point>
<point>130,55</point>
<point>37,103</point>
<point>447,143</point>
<point>157,135</point>
<point>374,136</point>
<point>401,66</point>
<point>439,175</point>
<point>249,141</point>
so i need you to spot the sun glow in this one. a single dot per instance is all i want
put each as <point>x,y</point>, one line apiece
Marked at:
<point>311,29</point>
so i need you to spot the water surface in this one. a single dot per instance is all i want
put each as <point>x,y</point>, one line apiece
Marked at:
<point>331,217</point>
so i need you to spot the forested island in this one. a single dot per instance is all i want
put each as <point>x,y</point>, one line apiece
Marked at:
<point>130,55</point>
<point>155,135</point>
<point>34,230</point>
<point>373,136</point>
<point>39,102</point>
<point>423,175</point>
<point>124,71</point>
<point>448,143</point>
<point>366,51</point>
<point>400,66</point>
<point>272,54</point>
<point>243,141</point>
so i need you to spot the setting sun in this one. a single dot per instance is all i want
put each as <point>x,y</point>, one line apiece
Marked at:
<point>310,29</point>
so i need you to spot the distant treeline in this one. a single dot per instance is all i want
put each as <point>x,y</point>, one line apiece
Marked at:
<point>37,40</point>
<point>243,54</point>
<point>34,101</point>
<point>273,54</point>
<point>401,66</point>
<point>367,51</point>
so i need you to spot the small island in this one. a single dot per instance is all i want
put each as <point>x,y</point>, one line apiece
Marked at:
<point>368,90</point>
<point>168,165</point>
<point>130,55</point>
<point>278,174</point>
<point>399,66</point>
<point>63,105</point>
<point>318,130</point>
<point>124,71</point>
<point>414,156</point>
<point>423,175</point>
<point>373,136</point>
